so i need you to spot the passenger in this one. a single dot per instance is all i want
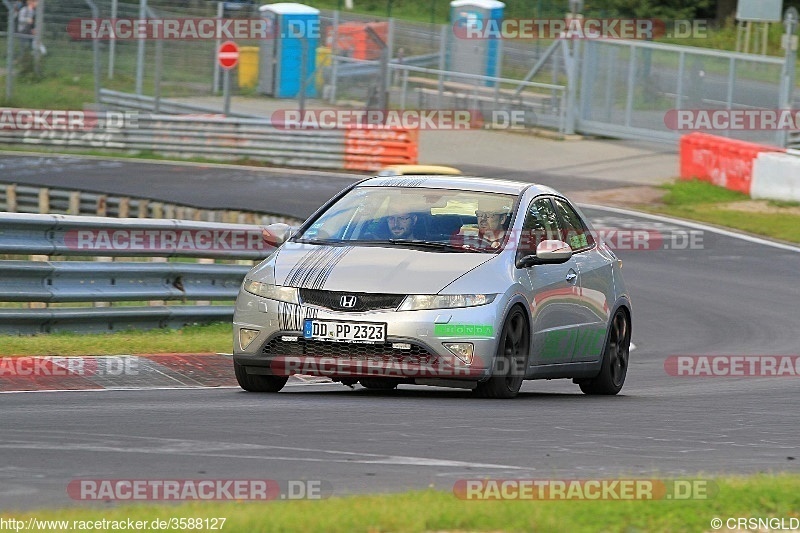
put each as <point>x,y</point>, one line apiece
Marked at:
<point>399,222</point>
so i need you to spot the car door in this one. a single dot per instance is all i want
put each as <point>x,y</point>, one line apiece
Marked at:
<point>555,289</point>
<point>596,282</point>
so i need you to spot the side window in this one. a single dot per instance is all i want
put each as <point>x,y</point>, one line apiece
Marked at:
<point>539,224</point>
<point>575,232</point>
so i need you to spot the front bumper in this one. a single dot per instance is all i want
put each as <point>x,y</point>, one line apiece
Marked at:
<point>279,347</point>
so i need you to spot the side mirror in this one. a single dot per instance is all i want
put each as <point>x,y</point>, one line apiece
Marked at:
<point>276,234</point>
<point>549,252</point>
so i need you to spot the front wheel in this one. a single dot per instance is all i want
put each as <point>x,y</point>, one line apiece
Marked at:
<point>512,354</point>
<point>614,367</point>
<point>256,383</point>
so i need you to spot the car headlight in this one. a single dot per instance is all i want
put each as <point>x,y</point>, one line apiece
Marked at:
<point>273,292</point>
<point>414,302</point>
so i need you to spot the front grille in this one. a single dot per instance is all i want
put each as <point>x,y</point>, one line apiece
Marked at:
<point>364,301</point>
<point>384,353</point>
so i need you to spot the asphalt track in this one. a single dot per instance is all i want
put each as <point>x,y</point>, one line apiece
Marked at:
<point>728,296</point>
<point>267,190</point>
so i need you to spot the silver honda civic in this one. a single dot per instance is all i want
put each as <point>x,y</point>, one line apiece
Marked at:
<point>449,281</point>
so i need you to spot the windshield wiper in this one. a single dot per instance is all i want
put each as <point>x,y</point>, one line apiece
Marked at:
<point>437,245</point>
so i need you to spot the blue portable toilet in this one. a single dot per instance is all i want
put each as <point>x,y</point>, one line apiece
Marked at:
<point>291,29</point>
<point>475,55</point>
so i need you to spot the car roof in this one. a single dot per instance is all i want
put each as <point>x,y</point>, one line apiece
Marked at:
<point>419,170</point>
<point>466,183</point>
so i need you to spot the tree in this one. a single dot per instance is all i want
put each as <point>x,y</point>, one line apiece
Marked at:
<point>662,9</point>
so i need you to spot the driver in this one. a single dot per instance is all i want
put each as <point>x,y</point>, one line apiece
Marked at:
<point>493,216</point>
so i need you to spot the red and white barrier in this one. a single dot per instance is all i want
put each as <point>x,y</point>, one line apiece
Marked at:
<point>776,176</point>
<point>724,162</point>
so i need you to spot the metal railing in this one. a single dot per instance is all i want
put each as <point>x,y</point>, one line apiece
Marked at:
<point>207,137</point>
<point>45,281</point>
<point>16,198</point>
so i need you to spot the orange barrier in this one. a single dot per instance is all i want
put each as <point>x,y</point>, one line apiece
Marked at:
<point>724,162</point>
<point>376,147</point>
<point>353,41</point>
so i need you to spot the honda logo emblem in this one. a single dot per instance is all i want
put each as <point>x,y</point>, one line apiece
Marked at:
<point>347,301</point>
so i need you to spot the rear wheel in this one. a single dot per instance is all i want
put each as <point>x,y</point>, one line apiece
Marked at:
<point>615,359</point>
<point>512,354</point>
<point>256,383</point>
<point>378,384</point>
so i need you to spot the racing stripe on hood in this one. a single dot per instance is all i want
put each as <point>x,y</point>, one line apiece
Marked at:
<point>313,269</point>
<point>292,316</point>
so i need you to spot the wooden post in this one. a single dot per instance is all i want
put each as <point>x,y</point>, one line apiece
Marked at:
<point>124,207</point>
<point>11,198</point>
<point>74,203</point>
<point>102,205</point>
<point>44,200</point>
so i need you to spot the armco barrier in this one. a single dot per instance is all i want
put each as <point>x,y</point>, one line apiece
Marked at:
<point>232,138</point>
<point>776,177</point>
<point>376,147</point>
<point>719,160</point>
<point>43,282</point>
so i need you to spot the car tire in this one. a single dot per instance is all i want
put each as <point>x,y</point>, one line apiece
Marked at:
<point>512,355</point>
<point>255,383</point>
<point>378,384</point>
<point>616,357</point>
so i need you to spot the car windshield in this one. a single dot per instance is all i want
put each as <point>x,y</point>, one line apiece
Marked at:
<point>433,219</point>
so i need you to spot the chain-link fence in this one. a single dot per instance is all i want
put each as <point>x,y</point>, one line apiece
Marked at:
<point>618,87</point>
<point>628,88</point>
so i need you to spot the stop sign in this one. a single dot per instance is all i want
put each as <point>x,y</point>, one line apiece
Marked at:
<point>228,54</point>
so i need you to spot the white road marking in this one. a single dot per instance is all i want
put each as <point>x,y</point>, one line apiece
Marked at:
<point>184,448</point>
<point>694,225</point>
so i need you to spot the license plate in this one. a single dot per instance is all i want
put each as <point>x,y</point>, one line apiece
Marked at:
<point>336,331</point>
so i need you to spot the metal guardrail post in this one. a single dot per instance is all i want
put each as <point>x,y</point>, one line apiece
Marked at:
<point>95,51</point>
<point>140,50</point>
<point>37,38</point>
<point>790,22</point>
<point>112,43</point>
<point>10,49</point>
<point>443,38</point>
<point>159,70</point>
<point>334,57</point>
<point>218,43</point>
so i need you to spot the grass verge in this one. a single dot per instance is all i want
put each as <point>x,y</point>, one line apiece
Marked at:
<point>191,339</point>
<point>757,496</point>
<point>704,202</point>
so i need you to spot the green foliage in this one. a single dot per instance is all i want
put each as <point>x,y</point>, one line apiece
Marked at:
<point>661,9</point>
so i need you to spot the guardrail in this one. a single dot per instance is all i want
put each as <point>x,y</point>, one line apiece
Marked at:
<point>30,199</point>
<point>140,102</point>
<point>223,138</point>
<point>46,282</point>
